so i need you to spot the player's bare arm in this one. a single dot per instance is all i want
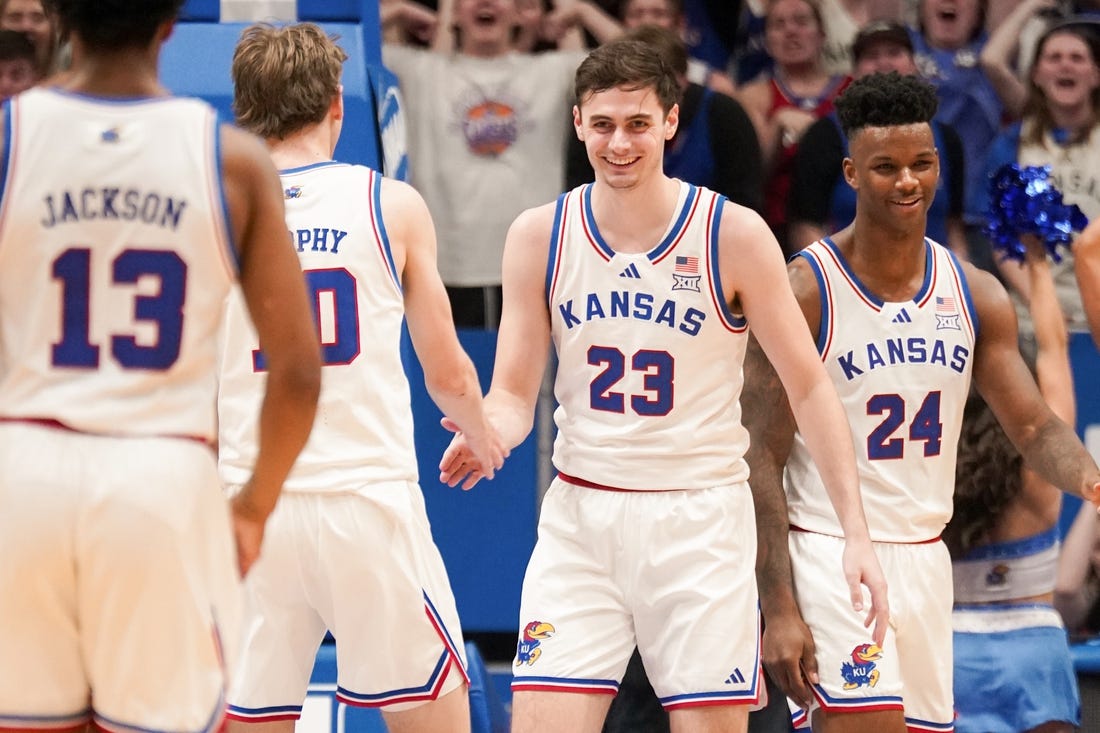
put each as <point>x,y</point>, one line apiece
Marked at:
<point>449,375</point>
<point>752,264</point>
<point>523,340</point>
<point>274,291</point>
<point>1049,446</point>
<point>1053,372</point>
<point>1086,263</point>
<point>788,646</point>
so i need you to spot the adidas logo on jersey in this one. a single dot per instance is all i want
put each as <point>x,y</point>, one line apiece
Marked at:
<point>631,271</point>
<point>902,317</point>
<point>735,678</point>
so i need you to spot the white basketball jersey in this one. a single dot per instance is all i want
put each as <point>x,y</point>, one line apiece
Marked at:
<point>114,263</point>
<point>902,371</point>
<point>649,356</point>
<point>364,428</point>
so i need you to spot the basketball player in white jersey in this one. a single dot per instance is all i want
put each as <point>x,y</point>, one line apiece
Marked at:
<point>125,217</point>
<point>349,547</point>
<point>646,285</point>
<point>902,327</point>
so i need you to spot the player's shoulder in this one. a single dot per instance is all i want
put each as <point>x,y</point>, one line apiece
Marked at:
<point>740,224</point>
<point>242,152</point>
<point>536,222</point>
<point>986,291</point>
<point>398,198</point>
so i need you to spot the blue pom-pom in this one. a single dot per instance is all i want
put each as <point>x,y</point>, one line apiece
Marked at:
<point>1023,200</point>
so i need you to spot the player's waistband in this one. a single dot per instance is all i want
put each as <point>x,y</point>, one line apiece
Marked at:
<point>1004,617</point>
<point>602,487</point>
<point>796,528</point>
<point>53,423</point>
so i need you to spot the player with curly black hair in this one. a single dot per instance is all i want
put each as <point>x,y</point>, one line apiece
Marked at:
<point>902,327</point>
<point>886,100</point>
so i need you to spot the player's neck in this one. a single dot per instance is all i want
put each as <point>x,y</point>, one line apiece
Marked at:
<point>890,262</point>
<point>124,75</point>
<point>122,72</point>
<point>628,217</point>
<point>313,145</point>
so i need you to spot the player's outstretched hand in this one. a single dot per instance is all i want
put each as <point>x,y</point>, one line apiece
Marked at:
<point>1094,496</point>
<point>248,530</point>
<point>861,568</point>
<point>468,459</point>
<point>788,653</point>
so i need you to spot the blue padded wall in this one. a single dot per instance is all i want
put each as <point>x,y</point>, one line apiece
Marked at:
<point>196,62</point>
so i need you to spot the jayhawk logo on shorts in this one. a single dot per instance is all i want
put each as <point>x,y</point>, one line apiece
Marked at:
<point>527,650</point>
<point>294,192</point>
<point>861,670</point>
<point>998,575</point>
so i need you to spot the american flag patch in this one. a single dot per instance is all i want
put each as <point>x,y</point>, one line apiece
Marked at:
<point>687,265</point>
<point>945,305</point>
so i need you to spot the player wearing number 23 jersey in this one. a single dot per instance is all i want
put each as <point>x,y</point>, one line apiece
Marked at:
<point>645,286</point>
<point>639,383</point>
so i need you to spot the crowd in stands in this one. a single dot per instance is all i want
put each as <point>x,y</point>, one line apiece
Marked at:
<point>487,88</point>
<point>1017,83</point>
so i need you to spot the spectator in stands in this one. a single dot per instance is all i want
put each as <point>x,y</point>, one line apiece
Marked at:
<point>948,41</point>
<point>715,143</point>
<point>786,102</point>
<point>842,21</point>
<point>407,21</point>
<point>820,200</point>
<point>39,24</point>
<point>1059,128</point>
<point>1000,52</point>
<point>487,131</point>
<point>750,59</point>
<point>18,64</point>
<point>601,26</point>
<point>1013,670</point>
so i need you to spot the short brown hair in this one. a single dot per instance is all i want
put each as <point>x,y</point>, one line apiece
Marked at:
<point>630,63</point>
<point>284,78</point>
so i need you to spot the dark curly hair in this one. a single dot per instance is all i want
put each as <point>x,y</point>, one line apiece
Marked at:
<point>105,25</point>
<point>885,100</point>
<point>987,477</point>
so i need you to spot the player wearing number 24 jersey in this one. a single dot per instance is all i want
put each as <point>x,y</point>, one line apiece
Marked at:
<point>349,550</point>
<point>902,328</point>
<point>126,215</point>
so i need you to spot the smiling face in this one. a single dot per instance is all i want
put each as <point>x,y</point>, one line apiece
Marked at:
<point>486,26</point>
<point>894,171</point>
<point>884,57</point>
<point>1065,71</point>
<point>950,24</point>
<point>624,131</point>
<point>792,32</point>
<point>661,13</point>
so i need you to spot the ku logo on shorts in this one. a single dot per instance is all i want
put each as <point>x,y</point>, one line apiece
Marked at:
<point>861,670</point>
<point>527,650</point>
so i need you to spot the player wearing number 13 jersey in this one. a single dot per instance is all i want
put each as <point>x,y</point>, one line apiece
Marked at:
<point>349,549</point>
<point>125,217</point>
